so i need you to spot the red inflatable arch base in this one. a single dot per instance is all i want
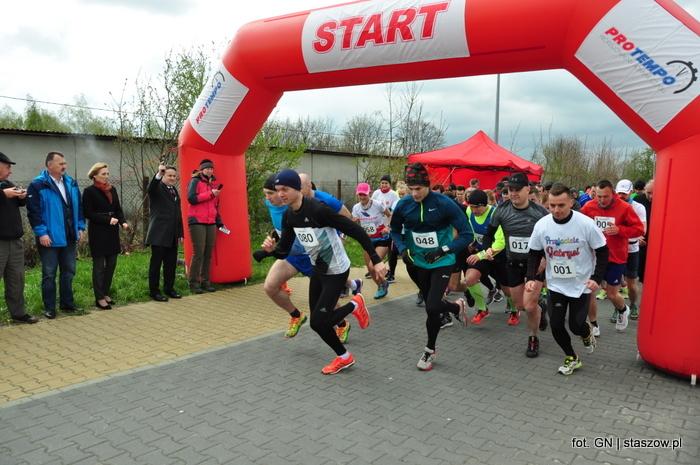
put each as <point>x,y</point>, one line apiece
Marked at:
<point>640,57</point>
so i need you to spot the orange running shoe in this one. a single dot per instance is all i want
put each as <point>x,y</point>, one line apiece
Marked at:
<point>343,332</point>
<point>361,312</point>
<point>338,364</point>
<point>514,318</point>
<point>285,288</point>
<point>479,317</point>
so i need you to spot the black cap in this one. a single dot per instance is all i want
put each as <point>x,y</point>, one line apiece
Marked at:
<point>518,181</point>
<point>4,159</point>
<point>270,182</point>
<point>386,178</point>
<point>416,175</point>
<point>478,198</point>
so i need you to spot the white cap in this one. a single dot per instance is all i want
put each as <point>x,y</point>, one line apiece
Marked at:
<point>624,186</point>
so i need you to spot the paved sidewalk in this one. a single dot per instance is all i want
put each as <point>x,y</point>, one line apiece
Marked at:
<point>69,350</point>
<point>264,401</point>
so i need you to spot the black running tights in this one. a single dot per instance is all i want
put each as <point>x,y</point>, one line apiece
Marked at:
<point>431,285</point>
<point>324,291</point>
<point>578,311</point>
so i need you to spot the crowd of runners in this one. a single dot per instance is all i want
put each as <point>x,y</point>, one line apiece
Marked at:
<point>547,249</point>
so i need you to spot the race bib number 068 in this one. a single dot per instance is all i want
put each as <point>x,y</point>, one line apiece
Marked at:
<point>427,240</point>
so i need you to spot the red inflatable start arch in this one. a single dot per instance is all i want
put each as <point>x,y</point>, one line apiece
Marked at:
<point>640,57</point>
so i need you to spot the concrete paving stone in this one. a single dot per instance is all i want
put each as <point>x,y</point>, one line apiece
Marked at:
<point>156,457</point>
<point>226,455</point>
<point>70,454</point>
<point>104,451</point>
<point>39,457</point>
<point>21,446</point>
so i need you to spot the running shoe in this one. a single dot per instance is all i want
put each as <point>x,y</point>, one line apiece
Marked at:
<point>570,364</point>
<point>491,295</point>
<point>361,312</point>
<point>625,292</point>
<point>613,316</point>
<point>390,278</point>
<point>479,317</point>
<point>462,313</point>
<point>343,332</point>
<point>285,288</point>
<point>543,320</point>
<point>634,312</point>
<point>358,286</point>
<point>514,318</point>
<point>533,347</point>
<point>295,325</point>
<point>368,275</point>
<point>595,331</point>
<point>419,300</point>
<point>425,362</point>
<point>622,319</point>
<point>601,295</point>
<point>589,342</point>
<point>445,320</point>
<point>498,297</point>
<point>382,291</point>
<point>338,364</point>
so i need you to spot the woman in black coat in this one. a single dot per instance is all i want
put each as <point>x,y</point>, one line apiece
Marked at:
<point>104,214</point>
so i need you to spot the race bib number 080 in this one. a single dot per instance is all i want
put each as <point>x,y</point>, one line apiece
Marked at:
<point>427,240</point>
<point>519,244</point>
<point>604,221</point>
<point>307,237</point>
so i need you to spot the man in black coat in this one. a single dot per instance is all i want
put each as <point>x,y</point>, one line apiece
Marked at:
<point>11,246</point>
<point>164,232</point>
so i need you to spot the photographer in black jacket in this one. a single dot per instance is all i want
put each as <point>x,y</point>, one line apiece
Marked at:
<point>11,246</point>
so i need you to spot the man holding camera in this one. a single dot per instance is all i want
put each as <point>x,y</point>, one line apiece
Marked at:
<point>11,246</point>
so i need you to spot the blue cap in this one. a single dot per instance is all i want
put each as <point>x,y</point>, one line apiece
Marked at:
<point>289,178</point>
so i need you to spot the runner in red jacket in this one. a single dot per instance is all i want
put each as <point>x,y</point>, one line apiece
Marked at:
<point>619,222</point>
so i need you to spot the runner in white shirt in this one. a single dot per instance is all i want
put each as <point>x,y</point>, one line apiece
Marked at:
<point>576,254</point>
<point>371,215</point>
<point>624,188</point>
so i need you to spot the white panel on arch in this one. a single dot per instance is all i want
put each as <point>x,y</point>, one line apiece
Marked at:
<point>217,103</point>
<point>391,32</point>
<point>647,57</point>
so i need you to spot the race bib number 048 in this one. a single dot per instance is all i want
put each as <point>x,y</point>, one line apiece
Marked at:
<point>427,240</point>
<point>307,237</point>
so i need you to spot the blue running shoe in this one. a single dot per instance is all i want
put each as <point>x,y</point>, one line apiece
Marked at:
<point>382,291</point>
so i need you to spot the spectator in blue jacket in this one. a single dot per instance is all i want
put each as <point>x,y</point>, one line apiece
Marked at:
<point>56,217</point>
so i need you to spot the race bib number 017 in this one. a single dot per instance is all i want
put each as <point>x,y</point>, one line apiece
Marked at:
<point>306,236</point>
<point>519,244</point>
<point>604,221</point>
<point>427,240</point>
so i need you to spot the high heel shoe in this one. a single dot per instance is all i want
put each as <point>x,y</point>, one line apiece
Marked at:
<point>103,307</point>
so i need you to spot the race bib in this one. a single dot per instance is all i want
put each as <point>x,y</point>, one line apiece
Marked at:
<point>426,240</point>
<point>519,244</point>
<point>563,269</point>
<point>370,229</point>
<point>307,237</point>
<point>604,221</point>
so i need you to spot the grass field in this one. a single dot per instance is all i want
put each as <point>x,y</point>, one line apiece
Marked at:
<point>130,282</point>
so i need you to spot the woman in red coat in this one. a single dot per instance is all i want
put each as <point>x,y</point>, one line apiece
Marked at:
<point>203,218</point>
<point>105,216</point>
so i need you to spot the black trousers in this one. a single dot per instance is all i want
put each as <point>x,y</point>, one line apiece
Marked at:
<point>578,312</point>
<point>167,258</point>
<point>324,291</point>
<point>431,285</point>
<point>102,274</point>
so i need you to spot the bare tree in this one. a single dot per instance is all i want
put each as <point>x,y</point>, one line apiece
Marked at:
<point>364,134</point>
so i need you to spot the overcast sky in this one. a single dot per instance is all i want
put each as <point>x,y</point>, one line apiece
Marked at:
<point>55,50</point>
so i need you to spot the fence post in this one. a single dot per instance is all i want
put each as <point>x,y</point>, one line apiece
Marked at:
<point>340,190</point>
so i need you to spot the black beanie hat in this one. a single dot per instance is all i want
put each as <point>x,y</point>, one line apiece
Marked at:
<point>416,175</point>
<point>289,178</point>
<point>270,182</point>
<point>386,178</point>
<point>478,198</point>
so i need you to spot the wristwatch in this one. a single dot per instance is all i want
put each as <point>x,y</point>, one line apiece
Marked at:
<point>445,249</point>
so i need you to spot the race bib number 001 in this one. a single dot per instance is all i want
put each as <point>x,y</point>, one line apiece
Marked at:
<point>604,221</point>
<point>307,237</point>
<point>563,269</point>
<point>519,244</point>
<point>427,240</point>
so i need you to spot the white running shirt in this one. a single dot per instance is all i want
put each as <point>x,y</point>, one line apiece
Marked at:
<point>641,212</point>
<point>569,250</point>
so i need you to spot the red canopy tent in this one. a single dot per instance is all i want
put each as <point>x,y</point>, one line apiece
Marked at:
<point>477,157</point>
